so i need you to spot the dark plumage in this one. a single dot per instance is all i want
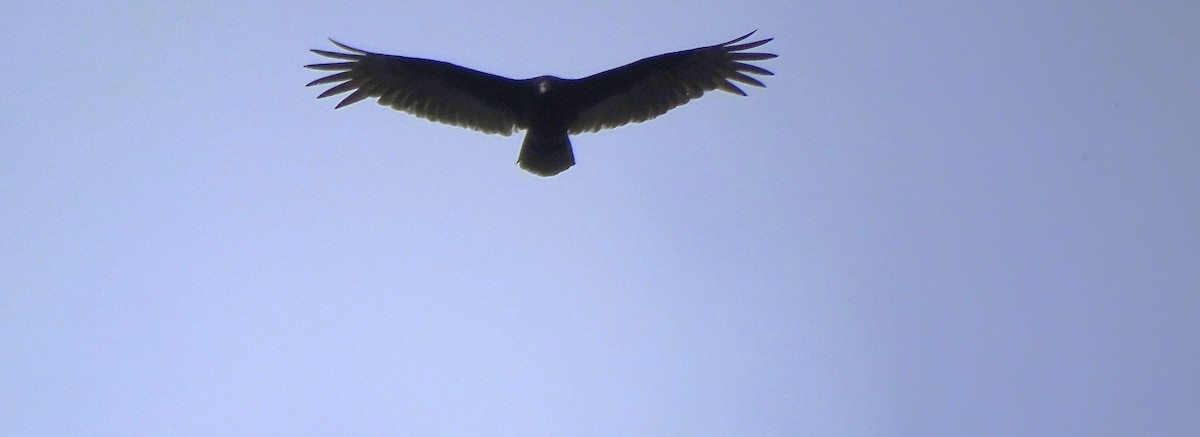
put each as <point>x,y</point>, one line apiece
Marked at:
<point>549,108</point>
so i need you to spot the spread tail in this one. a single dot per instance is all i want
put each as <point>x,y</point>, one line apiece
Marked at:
<point>546,154</point>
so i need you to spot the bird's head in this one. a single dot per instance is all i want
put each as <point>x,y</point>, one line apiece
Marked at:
<point>547,83</point>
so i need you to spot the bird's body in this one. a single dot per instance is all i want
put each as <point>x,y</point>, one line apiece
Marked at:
<point>547,107</point>
<point>546,150</point>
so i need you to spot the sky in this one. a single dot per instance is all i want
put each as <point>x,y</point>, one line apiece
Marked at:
<point>938,218</point>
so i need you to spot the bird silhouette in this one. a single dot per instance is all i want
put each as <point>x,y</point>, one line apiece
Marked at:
<point>548,108</point>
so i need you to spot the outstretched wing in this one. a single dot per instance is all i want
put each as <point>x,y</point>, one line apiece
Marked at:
<point>433,90</point>
<point>650,87</point>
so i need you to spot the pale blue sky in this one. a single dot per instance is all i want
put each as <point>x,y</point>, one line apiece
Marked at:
<point>939,218</point>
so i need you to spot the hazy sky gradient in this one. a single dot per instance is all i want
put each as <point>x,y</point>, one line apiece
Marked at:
<point>939,218</point>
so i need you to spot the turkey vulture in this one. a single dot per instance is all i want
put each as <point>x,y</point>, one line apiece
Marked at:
<point>548,107</point>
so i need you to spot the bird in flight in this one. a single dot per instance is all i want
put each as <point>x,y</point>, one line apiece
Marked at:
<point>548,108</point>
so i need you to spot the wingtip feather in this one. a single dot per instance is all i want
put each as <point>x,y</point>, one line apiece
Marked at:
<point>747,46</point>
<point>735,40</point>
<point>364,91</point>
<point>741,56</point>
<point>728,86</point>
<point>752,69</point>
<point>335,66</point>
<point>743,78</point>
<point>341,88</point>
<point>336,55</point>
<point>336,77</point>
<point>348,48</point>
